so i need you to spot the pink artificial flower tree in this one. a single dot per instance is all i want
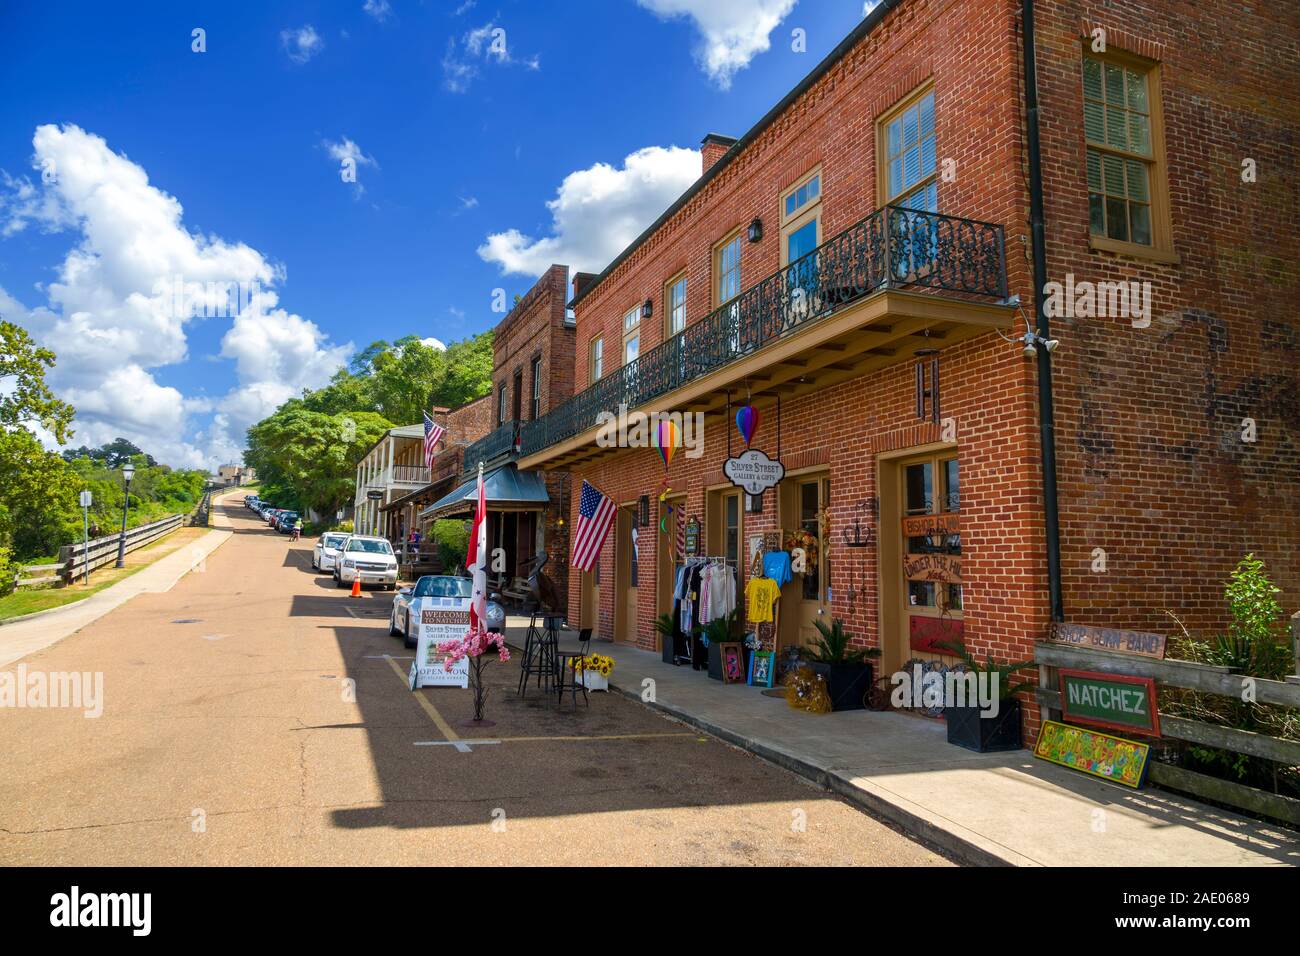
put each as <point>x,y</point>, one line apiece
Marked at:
<point>475,645</point>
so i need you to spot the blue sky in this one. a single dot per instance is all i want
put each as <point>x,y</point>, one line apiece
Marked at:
<point>126,156</point>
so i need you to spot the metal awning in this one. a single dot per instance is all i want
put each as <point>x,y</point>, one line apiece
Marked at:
<point>505,488</point>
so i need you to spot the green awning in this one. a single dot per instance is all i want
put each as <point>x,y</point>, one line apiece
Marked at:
<point>505,488</point>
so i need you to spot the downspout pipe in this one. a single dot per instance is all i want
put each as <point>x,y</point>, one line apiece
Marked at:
<point>1038,250</point>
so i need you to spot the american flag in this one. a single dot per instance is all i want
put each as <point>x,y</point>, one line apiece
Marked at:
<point>595,512</point>
<point>432,432</point>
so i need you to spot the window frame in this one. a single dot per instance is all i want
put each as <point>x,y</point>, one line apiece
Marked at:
<point>631,330</point>
<point>679,277</point>
<point>1162,243</point>
<point>882,145</point>
<point>535,398</point>
<point>735,235</point>
<point>502,400</point>
<point>596,358</point>
<point>809,212</point>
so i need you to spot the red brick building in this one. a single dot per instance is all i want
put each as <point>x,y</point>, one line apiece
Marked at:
<point>532,372</point>
<point>863,254</point>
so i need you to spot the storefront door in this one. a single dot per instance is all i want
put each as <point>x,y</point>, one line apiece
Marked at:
<point>930,548</point>
<point>807,598</point>
<point>627,558</point>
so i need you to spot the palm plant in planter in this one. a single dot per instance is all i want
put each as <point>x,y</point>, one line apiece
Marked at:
<point>847,670</point>
<point>968,726</point>
<point>717,632</point>
<point>666,627</point>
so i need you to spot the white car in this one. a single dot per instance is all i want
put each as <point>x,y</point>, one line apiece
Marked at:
<point>435,590</point>
<point>365,559</point>
<point>326,551</point>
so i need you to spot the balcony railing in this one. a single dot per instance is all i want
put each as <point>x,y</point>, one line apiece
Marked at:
<point>498,443</point>
<point>889,249</point>
<point>410,475</point>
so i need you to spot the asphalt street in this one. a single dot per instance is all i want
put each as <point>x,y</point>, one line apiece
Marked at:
<point>254,714</point>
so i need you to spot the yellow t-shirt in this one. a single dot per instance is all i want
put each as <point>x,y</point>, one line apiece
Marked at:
<point>761,594</point>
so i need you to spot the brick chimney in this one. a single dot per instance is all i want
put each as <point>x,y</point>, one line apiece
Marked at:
<point>711,149</point>
<point>581,280</point>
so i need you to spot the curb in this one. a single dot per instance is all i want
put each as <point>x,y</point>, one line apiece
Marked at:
<point>965,850</point>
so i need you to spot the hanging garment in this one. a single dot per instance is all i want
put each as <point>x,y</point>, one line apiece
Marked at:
<point>722,591</point>
<point>760,594</point>
<point>776,565</point>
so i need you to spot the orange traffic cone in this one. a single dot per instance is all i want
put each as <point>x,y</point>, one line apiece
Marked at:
<point>356,587</point>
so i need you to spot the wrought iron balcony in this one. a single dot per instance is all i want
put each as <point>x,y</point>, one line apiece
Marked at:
<point>496,444</point>
<point>892,248</point>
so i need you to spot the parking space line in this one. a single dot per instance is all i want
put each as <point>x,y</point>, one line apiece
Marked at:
<point>443,727</point>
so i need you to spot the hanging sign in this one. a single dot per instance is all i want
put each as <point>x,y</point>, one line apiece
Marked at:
<point>692,536</point>
<point>441,619</point>
<point>1093,752</point>
<point>932,526</point>
<point>375,495</point>
<point>1110,700</point>
<point>1138,643</point>
<point>753,471</point>
<point>933,567</point>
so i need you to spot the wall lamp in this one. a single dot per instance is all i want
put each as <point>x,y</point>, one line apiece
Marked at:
<point>647,309</point>
<point>1031,339</point>
<point>756,230</point>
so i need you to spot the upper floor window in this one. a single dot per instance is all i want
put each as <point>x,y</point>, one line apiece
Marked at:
<point>631,334</point>
<point>597,358</point>
<point>536,398</point>
<point>675,304</point>
<point>501,404</point>
<point>1127,193</point>
<point>727,267</point>
<point>909,149</point>
<point>801,218</point>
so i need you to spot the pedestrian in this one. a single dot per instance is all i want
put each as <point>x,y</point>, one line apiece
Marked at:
<point>297,528</point>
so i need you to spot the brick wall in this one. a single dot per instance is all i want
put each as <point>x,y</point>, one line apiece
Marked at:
<point>535,328</point>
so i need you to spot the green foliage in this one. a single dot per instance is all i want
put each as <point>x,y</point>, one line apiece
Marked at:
<point>720,630</point>
<point>452,539</point>
<point>1007,685</point>
<point>665,625</point>
<point>28,401</point>
<point>112,454</point>
<point>832,645</point>
<point>6,572</point>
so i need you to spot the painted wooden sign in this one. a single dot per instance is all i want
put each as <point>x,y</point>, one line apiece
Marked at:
<point>929,526</point>
<point>925,634</point>
<point>692,536</point>
<point>1093,752</point>
<point>1139,643</point>
<point>1110,700</point>
<point>933,567</point>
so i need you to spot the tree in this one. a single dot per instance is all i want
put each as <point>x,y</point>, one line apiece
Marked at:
<point>30,402</point>
<point>113,454</point>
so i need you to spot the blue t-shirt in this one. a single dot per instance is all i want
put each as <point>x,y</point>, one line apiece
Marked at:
<point>776,565</point>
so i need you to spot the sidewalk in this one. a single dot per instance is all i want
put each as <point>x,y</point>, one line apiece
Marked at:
<point>41,630</point>
<point>999,809</point>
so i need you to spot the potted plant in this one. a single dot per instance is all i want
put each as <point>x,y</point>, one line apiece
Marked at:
<point>666,627</point>
<point>593,670</point>
<point>968,725</point>
<point>847,671</point>
<point>717,632</point>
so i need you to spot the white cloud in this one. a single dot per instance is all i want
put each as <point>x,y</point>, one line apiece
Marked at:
<point>598,211</point>
<point>347,151</point>
<point>379,9</point>
<point>433,343</point>
<point>732,32</point>
<point>302,44</point>
<point>488,44</point>
<point>110,315</point>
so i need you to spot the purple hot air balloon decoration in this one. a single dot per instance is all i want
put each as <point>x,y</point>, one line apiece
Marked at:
<point>747,422</point>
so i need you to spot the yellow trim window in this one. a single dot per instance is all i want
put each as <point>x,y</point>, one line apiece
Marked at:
<point>910,150</point>
<point>727,267</point>
<point>597,358</point>
<point>675,304</point>
<point>631,334</point>
<point>801,218</point>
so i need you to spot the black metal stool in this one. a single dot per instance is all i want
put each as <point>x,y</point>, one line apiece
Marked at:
<point>541,647</point>
<point>566,659</point>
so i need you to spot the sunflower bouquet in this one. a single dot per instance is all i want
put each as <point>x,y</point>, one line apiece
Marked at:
<point>601,664</point>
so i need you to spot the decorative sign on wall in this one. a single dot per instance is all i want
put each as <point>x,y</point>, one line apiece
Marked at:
<point>733,663</point>
<point>926,634</point>
<point>933,567</point>
<point>1093,752</point>
<point>441,619</point>
<point>932,526</point>
<point>1139,643</point>
<point>1110,700</point>
<point>753,471</point>
<point>771,540</point>
<point>692,536</point>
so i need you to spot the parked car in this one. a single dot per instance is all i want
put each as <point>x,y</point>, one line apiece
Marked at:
<point>250,502</point>
<point>326,552</point>
<point>286,522</point>
<point>366,559</point>
<point>403,621</point>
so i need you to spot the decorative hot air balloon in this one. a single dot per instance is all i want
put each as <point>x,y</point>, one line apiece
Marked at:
<point>747,422</point>
<point>668,438</point>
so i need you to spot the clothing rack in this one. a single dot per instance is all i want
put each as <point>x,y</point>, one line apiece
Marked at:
<point>689,639</point>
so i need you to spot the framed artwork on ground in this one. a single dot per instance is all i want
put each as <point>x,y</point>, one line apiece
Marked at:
<point>733,663</point>
<point>761,670</point>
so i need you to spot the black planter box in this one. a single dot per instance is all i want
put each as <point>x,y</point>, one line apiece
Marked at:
<point>846,683</point>
<point>715,661</point>
<point>966,728</point>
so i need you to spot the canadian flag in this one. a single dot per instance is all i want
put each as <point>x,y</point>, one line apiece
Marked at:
<point>477,559</point>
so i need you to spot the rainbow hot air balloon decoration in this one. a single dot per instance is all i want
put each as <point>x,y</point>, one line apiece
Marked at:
<point>668,438</point>
<point>747,419</point>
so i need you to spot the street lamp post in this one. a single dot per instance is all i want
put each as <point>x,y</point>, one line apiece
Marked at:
<point>128,472</point>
